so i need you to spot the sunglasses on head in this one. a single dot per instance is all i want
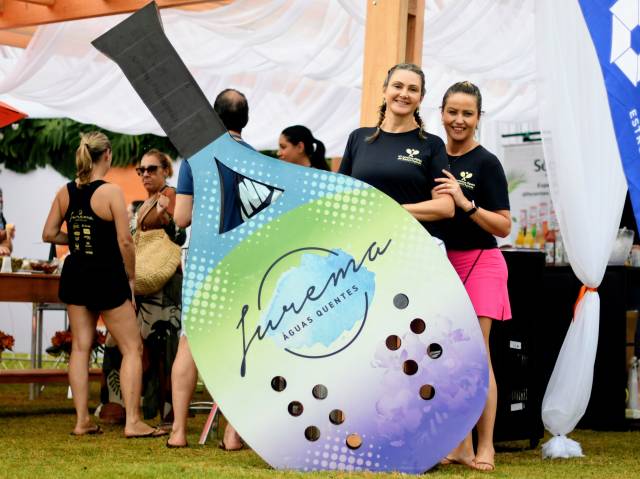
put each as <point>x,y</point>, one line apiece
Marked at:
<point>151,169</point>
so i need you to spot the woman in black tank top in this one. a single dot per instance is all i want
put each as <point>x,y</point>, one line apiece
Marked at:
<point>97,279</point>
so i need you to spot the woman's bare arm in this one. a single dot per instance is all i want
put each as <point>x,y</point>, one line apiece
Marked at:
<point>184,206</point>
<point>52,232</point>
<point>440,207</point>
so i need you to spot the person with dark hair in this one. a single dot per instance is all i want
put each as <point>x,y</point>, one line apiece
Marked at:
<point>7,232</point>
<point>298,146</point>
<point>98,279</point>
<point>159,312</point>
<point>230,105</point>
<point>478,186</point>
<point>233,109</point>
<point>398,156</point>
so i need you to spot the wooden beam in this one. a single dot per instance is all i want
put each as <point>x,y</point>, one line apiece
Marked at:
<point>394,34</point>
<point>209,5</point>
<point>17,13</point>
<point>17,37</point>
<point>39,2</point>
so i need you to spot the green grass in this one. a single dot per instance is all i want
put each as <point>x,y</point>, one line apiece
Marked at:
<point>35,442</point>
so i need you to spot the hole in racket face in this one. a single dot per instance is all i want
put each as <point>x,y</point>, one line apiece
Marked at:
<point>434,350</point>
<point>354,441</point>
<point>242,198</point>
<point>336,417</point>
<point>418,326</point>
<point>295,408</point>
<point>278,384</point>
<point>312,433</point>
<point>393,342</point>
<point>400,301</point>
<point>427,391</point>
<point>410,367</point>
<point>319,391</point>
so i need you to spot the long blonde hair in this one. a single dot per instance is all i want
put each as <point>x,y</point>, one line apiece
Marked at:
<point>92,146</point>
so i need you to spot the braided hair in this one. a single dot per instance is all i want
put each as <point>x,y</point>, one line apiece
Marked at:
<point>383,108</point>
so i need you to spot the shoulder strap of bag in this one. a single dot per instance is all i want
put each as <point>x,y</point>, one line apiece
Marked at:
<point>153,205</point>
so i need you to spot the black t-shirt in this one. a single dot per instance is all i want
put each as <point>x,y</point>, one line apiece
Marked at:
<point>482,180</point>
<point>402,165</point>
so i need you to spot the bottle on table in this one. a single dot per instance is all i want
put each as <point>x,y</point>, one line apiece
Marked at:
<point>561,257</point>
<point>530,237</point>
<point>550,239</point>
<point>522,230</point>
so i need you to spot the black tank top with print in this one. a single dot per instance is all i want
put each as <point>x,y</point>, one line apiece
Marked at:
<point>90,237</point>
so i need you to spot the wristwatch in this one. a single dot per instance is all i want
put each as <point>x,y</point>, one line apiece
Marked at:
<point>472,210</point>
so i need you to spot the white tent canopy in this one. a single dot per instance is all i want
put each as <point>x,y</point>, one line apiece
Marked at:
<point>298,62</point>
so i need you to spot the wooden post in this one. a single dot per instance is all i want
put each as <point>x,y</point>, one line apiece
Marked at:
<point>22,13</point>
<point>394,34</point>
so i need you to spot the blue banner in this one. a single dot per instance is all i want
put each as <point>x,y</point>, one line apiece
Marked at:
<point>614,26</point>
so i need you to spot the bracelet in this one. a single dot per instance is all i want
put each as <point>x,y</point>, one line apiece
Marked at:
<point>472,210</point>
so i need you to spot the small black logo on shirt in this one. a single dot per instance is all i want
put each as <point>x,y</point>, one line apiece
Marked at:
<point>411,157</point>
<point>464,181</point>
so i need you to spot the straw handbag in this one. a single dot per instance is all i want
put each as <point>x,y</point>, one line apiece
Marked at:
<point>157,258</point>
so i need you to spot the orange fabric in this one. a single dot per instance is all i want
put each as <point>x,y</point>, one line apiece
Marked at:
<point>127,179</point>
<point>9,114</point>
<point>581,294</point>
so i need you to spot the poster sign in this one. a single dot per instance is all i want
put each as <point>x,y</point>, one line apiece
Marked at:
<point>328,326</point>
<point>529,195</point>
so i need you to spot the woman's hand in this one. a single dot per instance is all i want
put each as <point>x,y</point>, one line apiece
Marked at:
<point>162,204</point>
<point>4,251</point>
<point>450,186</point>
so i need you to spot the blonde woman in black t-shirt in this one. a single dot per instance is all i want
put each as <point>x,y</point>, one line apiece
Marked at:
<point>98,279</point>
<point>477,184</point>
<point>397,156</point>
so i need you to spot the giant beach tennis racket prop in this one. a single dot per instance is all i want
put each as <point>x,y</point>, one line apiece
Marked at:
<point>327,324</point>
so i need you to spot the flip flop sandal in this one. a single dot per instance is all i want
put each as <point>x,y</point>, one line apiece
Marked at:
<point>89,432</point>
<point>176,446</point>
<point>223,446</point>
<point>155,433</point>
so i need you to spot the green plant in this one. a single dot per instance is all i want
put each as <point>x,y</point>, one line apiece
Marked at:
<point>32,144</point>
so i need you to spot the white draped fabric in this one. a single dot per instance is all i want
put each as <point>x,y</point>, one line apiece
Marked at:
<point>588,189</point>
<point>298,62</point>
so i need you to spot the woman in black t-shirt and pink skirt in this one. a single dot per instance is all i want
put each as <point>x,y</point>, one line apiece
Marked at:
<point>478,186</point>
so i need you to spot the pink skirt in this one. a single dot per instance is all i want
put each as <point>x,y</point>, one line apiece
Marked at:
<point>484,275</point>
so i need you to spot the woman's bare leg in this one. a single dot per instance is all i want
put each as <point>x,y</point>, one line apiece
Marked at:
<point>485,456</point>
<point>122,325</point>
<point>183,381</point>
<point>83,330</point>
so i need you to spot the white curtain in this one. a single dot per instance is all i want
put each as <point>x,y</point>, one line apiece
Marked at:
<point>298,61</point>
<point>588,189</point>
